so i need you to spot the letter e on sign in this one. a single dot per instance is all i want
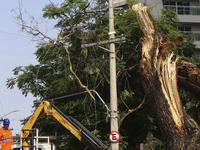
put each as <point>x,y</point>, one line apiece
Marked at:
<point>114,137</point>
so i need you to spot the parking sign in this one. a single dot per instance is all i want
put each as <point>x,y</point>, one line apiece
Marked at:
<point>114,137</point>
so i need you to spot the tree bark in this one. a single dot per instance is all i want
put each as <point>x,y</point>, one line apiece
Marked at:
<point>159,74</point>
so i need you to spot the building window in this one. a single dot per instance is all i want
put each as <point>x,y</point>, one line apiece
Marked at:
<point>169,3</point>
<point>182,3</point>
<point>185,28</point>
<point>182,8</point>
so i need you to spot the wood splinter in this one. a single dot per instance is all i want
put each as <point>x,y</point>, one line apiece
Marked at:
<point>170,45</point>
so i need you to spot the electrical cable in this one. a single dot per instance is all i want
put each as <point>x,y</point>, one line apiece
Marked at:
<point>94,96</point>
<point>13,34</point>
<point>85,112</point>
<point>122,51</point>
<point>77,63</point>
<point>95,107</point>
<point>85,100</point>
<point>95,112</point>
<point>86,148</point>
<point>2,108</point>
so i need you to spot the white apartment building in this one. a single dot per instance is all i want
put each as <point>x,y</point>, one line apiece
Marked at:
<point>188,13</point>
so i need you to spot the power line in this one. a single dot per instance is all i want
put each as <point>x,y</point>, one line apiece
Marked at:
<point>14,34</point>
<point>2,108</point>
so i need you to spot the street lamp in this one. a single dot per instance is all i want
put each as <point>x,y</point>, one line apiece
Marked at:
<point>9,113</point>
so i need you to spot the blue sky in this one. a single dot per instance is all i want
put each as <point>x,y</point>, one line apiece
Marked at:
<point>17,49</point>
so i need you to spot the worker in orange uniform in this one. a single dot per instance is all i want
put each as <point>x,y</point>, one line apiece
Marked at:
<point>6,138</point>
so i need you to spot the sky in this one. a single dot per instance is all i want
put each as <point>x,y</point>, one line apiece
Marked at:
<point>17,49</point>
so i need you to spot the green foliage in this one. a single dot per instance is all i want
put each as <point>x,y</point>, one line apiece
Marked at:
<point>168,22</point>
<point>187,49</point>
<point>190,103</point>
<point>126,94</point>
<point>52,76</point>
<point>68,7</point>
<point>151,142</point>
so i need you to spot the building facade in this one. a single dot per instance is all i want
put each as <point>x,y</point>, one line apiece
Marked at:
<point>188,13</point>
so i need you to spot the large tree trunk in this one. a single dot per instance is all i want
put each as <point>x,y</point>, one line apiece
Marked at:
<point>159,78</point>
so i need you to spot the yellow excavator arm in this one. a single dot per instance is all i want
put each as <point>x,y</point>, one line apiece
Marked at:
<point>46,108</point>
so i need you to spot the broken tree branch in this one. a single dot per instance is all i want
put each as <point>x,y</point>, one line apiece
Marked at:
<point>189,77</point>
<point>130,111</point>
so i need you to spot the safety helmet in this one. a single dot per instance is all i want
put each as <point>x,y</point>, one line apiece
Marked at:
<point>6,121</point>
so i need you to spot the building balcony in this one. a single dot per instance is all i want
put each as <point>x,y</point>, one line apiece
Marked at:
<point>185,10</point>
<point>186,14</point>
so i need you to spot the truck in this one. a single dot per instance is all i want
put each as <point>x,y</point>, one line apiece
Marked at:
<point>40,142</point>
<point>47,108</point>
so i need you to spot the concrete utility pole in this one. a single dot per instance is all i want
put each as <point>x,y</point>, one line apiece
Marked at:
<point>113,85</point>
<point>113,79</point>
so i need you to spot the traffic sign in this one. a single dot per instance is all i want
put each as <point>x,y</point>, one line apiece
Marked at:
<point>114,137</point>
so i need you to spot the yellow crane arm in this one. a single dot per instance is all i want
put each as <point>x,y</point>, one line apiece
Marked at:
<point>74,126</point>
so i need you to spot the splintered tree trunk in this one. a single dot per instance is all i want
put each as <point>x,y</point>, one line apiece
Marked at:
<point>159,78</point>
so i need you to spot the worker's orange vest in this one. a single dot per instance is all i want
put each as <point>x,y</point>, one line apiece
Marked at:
<point>6,139</point>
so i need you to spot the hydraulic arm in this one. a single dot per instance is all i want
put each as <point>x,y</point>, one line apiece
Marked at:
<point>73,125</point>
